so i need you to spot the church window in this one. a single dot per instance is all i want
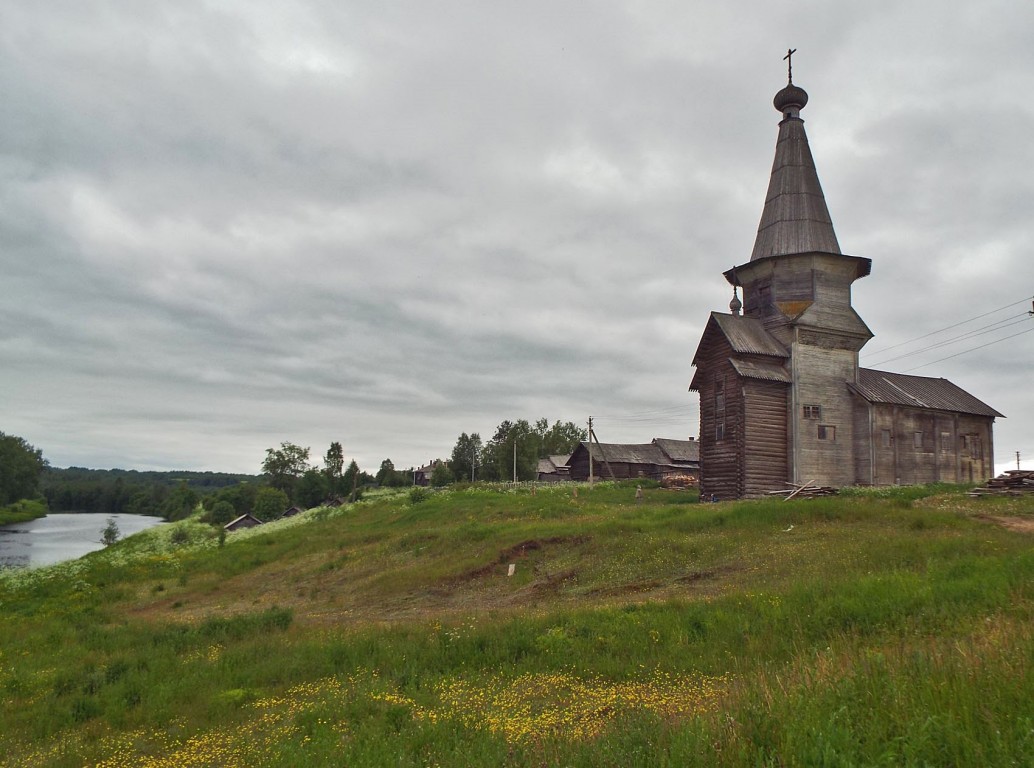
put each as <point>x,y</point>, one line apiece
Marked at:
<point>917,440</point>
<point>946,442</point>
<point>827,432</point>
<point>885,438</point>
<point>813,411</point>
<point>975,447</point>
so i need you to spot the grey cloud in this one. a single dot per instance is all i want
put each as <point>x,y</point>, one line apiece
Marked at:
<point>384,225</point>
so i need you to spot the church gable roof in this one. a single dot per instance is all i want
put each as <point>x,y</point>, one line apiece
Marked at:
<point>747,336</point>
<point>744,335</point>
<point>917,392</point>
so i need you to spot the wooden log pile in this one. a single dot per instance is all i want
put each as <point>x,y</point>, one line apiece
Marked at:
<point>679,482</point>
<point>806,491</point>
<point>1014,482</point>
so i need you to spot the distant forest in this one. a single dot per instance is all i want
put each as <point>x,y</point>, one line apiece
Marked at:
<point>112,491</point>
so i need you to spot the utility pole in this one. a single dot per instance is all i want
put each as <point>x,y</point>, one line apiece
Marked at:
<point>473,461</point>
<point>515,459</point>
<point>1018,453</point>
<point>589,444</point>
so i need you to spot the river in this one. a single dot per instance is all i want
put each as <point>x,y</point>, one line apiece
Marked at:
<point>62,536</point>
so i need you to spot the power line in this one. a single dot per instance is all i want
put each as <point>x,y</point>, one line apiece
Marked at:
<point>971,349</point>
<point>1001,324</point>
<point>948,328</point>
<point>651,417</point>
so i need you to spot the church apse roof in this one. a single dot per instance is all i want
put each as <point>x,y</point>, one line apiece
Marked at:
<point>917,392</point>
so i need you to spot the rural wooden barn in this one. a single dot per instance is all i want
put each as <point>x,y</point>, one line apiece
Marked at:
<point>782,398</point>
<point>247,520</point>
<point>655,460</point>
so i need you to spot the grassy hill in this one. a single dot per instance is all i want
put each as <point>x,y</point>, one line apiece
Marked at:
<point>891,627</point>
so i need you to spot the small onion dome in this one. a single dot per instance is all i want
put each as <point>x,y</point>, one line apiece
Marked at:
<point>790,100</point>
<point>735,305</point>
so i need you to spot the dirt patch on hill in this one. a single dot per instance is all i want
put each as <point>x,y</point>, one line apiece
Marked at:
<point>1019,524</point>
<point>516,553</point>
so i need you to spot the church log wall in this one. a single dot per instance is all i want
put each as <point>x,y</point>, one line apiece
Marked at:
<point>721,429</point>
<point>765,436</point>
<point>915,445</point>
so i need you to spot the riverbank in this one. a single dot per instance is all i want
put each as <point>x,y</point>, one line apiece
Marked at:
<point>22,511</point>
<point>60,536</point>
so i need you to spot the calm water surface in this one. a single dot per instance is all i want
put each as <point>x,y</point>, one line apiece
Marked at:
<point>62,536</point>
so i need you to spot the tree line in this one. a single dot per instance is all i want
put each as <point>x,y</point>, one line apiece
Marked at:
<point>513,452</point>
<point>288,476</point>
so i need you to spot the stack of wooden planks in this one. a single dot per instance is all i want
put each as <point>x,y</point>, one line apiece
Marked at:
<point>806,491</point>
<point>1014,482</point>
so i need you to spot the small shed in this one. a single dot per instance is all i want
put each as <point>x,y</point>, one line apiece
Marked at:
<point>554,469</point>
<point>291,512</point>
<point>247,520</point>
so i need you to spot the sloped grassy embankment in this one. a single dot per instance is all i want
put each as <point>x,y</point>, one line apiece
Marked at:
<point>890,627</point>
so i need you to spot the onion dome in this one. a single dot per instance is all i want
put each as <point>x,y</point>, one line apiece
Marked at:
<point>790,100</point>
<point>735,305</point>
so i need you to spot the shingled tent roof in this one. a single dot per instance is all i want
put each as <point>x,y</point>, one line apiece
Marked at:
<point>795,218</point>
<point>917,392</point>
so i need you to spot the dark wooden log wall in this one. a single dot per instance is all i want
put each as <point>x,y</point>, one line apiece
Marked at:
<point>721,461</point>
<point>765,436</point>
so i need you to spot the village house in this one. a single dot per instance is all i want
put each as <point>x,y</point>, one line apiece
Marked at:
<point>422,475</point>
<point>782,397</point>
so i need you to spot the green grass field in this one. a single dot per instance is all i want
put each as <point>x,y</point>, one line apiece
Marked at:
<point>881,628</point>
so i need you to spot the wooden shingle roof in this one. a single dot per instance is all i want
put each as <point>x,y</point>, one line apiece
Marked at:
<point>756,369</point>
<point>918,392</point>
<point>795,218</point>
<point>679,450</point>
<point>661,452</point>
<point>747,336</point>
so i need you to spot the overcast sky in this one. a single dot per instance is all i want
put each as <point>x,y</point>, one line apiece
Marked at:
<point>224,225</point>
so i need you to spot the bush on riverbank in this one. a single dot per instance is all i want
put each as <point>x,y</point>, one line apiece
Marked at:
<point>22,511</point>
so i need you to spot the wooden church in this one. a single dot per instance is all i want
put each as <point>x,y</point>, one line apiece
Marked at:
<point>782,398</point>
